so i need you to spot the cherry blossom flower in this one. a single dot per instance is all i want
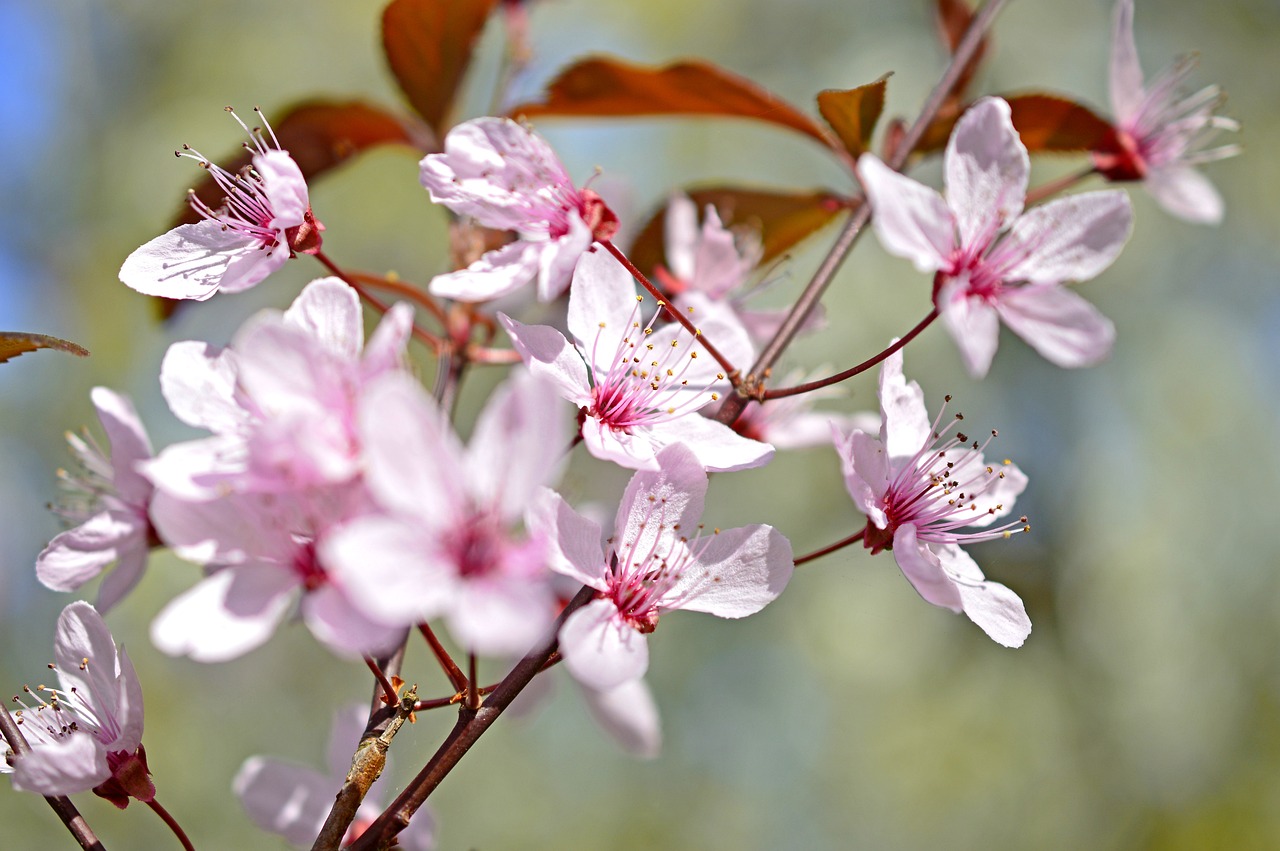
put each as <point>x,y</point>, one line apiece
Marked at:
<point>505,176</point>
<point>717,261</point>
<point>659,559</point>
<point>280,400</point>
<point>920,488</point>
<point>260,552</point>
<point>640,385</point>
<point>107,502</point>
<point>994,261</point>
<point>445,546</point>
<point>265,219</point>
<point>1162,134</point>
<point>87,734</point>
<point>293,800</point>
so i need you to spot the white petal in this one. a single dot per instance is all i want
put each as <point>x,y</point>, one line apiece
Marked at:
<point>905,425</point>
<point>990,605</point>
<point>559,257</point>
<point>574,540</point>
<point>285,799</point>
<point>986,171</point>
<point>494,274</point>
<point>972,323</point>
<point>600,649</point>
<point>285,187</point>
<point>910,219</point>
<point>550,356</point>
<point>129,443</point>
<point>187,262</point>
<point>1070,239</point>
<point>74,764</point>
<point>629,715</point>
<point>602,306</point>
<point>658,504</point>
<point>497,616</point>
<point>1067,330</point>
<point>717,447</point>
<point>386,348</point>
<point>82,634</point>
<point>866,472</point>
<point>680,235</point>
<point>335,621</point>
<point>328,311</point>
<point>225,615</point>
<point>738,572</point>
<point>923,569</point>
<point>78,555</point>
<point>1126,73</point>
<point>1186,193</point>
<point>199,384</point>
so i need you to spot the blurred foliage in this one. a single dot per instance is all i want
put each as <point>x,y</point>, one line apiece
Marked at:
<point>1142,711</point>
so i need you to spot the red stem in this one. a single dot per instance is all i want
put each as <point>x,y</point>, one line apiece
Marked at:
<point>731,371</point>
<point>387,688</point>
<point>457,679</point>
<point>838,545</point>
<point>1038,193</point>
<point>854,370</point>
<point>173,824</point>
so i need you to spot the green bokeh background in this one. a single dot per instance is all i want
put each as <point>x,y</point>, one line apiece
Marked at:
<point>1142,713</point>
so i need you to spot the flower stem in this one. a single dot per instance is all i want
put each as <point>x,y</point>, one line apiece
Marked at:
<point>854,370</point>
<point>457,679</point>
<point>172,823</point>
<point>734,404</point>
<point>60,804</point>
<point>838,545</point>
<point>400,288</point>
<point>388,690</point>
<point>431,340</point>
<point>470,727</point>
<point>731,371</point>
<point>1038,193</point>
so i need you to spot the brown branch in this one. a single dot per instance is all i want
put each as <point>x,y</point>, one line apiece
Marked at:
<point>366,766</point>
<point>60,804</point>
<point>470,727</point>
<point>817,286</point>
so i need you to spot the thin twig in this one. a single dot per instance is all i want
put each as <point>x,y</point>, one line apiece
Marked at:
<point>1036,194</point>
<point>734,404</point>
<point>172,824</point>
<point>457,679</point>
<point>60,804</point>
<point>388,690</point>
<point>838,545</point>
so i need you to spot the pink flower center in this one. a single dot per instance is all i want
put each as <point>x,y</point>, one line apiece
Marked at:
<point>477,546</point>
<point>942,489</point>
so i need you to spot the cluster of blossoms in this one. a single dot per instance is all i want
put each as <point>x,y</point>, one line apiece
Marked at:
<point>334,489</point>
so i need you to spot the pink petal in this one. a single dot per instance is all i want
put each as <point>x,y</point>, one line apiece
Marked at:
<point>285,187</point>
<point>602,304</point>
<point>497,616</point>
<point>987,168</point>
<point>905,425</point>
<point>78,555</point>
<point>717,447</point>
<point>74,764</point>
<point>190,261</point>
<point>128,706</point>
<point>600,649</point>
<point>514,449</point>
<point>574,540</point>
<point>549,355</point>
<point>225,615</point>
<point>559,257</point>
<point>129,444</point>
<point>990,605</point>
<point>386,349</point>
<point>866,472</point>
<point>1067,330</point>
<point>634,450</point>
<point>344,629</point>
<point>972,323</point>
<point>1126,74</point>
<point>1070,239</point>
<point>678,487</point>
<point>414,459</point>
<point>197,469</point>
<point>910,219</point>
<point>738,572</point>
<point>251,266</point>
<point>82,634</point>
<point>681,237</point>
<point>923,570</point>
<point>199,384</point>
<point>495,274</point>
<point>391,568</point>
<point>629,715</point>
<point>328,312</point>
<point>1186,193</point>
<point>285,799</point>
<point>132,562</point>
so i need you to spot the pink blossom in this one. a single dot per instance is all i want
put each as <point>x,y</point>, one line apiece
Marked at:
<point>628,713</point>
<point>919,489</point>
<point>280,400</point>
<point>293,800</point>
<point>260,553</point>
<point>640,385</point>
<point>445,546</point>
<point>993,260</point>
<point>716,261</point>
<point>264,220</point>
<point>107,500</point>
<point>88,733</point>
<point>658,560</point>
<point>1162,133</point>
<point>505,176</point>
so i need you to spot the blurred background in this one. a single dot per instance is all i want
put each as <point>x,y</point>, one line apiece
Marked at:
<point>1144,710</point>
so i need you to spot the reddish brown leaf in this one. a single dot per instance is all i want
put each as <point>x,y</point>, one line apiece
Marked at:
<point>939,130</point>
<point>783,219</point>
<point>428,45</point>
<point>602,86</point>
<point>1053,124</point>
<point>14,343</point>
<point>853,113</point>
